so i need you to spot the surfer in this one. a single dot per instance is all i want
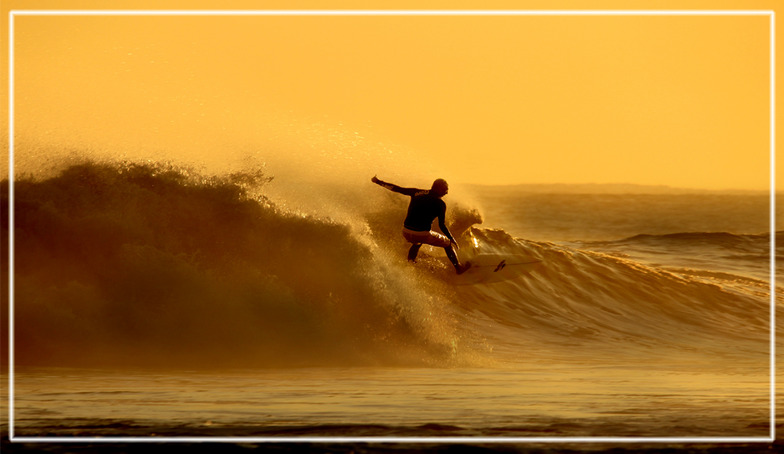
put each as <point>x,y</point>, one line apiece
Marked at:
<point>425,206</point>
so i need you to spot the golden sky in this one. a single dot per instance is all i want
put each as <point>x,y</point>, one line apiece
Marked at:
<point>673,100</point>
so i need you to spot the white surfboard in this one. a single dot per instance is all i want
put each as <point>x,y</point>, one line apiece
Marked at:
<point>490,268</point>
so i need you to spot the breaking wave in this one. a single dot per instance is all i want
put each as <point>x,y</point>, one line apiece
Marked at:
<point>158,265</point>
<point>153,264</point>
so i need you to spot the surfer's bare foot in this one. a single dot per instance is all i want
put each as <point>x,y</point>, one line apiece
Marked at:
<point>463,268</point>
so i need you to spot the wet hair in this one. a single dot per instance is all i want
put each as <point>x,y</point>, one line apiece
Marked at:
<point>440,186</point>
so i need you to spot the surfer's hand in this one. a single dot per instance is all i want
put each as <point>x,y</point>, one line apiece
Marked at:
<point>374,179</point>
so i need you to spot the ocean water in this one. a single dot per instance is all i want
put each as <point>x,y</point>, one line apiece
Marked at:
<point>156,302</point>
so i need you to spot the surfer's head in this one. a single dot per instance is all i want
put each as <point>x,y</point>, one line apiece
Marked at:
<point>440,187</point>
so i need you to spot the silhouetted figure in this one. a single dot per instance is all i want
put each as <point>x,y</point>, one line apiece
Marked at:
<point>425,206</point>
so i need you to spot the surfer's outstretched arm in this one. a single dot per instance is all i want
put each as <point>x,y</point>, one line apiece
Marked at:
<point>394,187</point>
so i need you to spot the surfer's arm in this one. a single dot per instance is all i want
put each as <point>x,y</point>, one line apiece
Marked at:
<point>444,229</point>
<point>394,187</point>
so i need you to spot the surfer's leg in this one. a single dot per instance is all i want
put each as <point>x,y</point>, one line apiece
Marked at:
<point>450,252</point>
<point>412,253</point>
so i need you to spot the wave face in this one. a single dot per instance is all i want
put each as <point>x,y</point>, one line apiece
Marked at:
<point>154,265</point>
<point>619,307</point>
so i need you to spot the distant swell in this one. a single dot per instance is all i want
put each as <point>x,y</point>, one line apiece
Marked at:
<point>712,237</point>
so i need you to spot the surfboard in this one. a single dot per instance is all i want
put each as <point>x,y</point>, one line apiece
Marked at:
<point>490,268</point>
